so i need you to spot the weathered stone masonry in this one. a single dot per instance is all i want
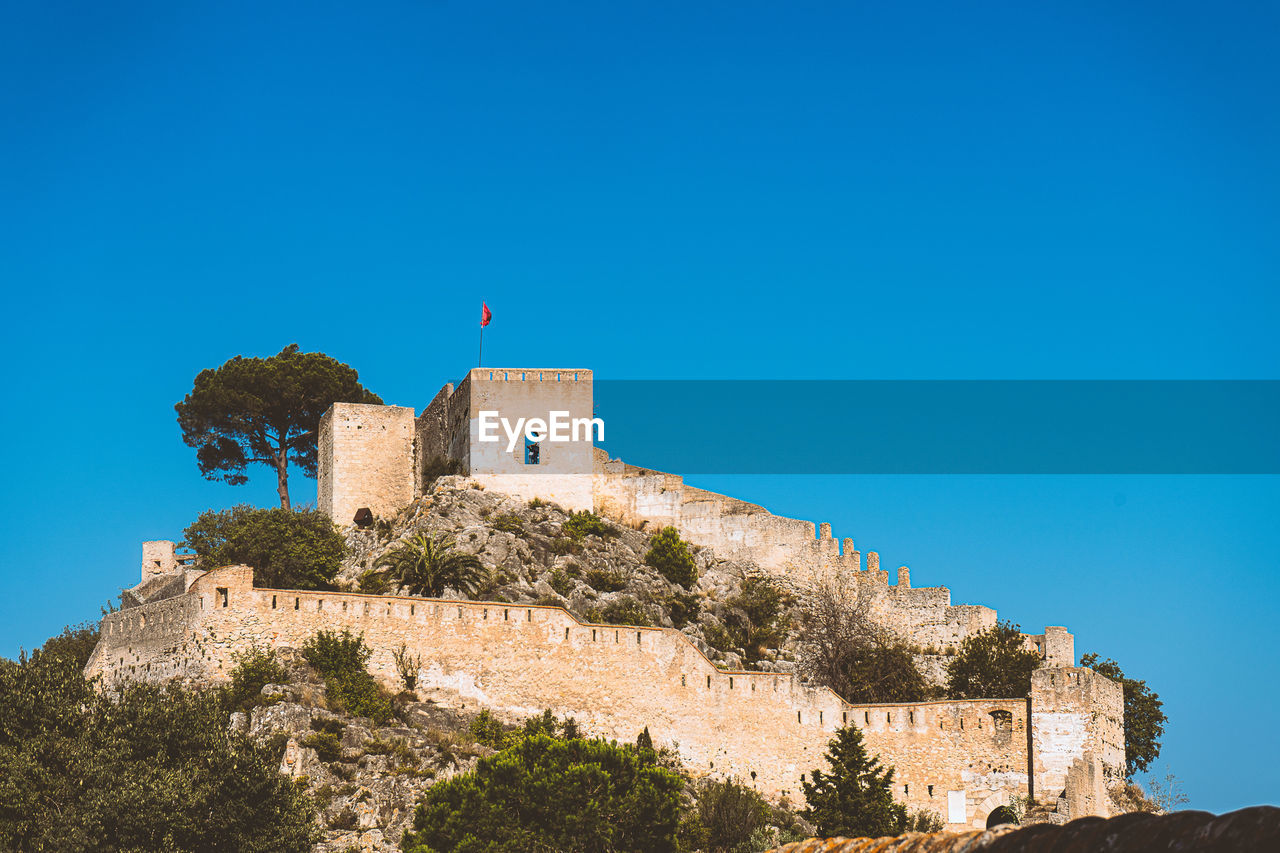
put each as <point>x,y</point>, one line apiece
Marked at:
<point>959,758</point>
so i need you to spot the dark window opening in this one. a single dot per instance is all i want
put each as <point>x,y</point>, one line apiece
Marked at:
<point>222,598</point>
<point>532,452</point>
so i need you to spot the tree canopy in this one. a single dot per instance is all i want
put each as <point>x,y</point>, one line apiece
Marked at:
<point>265,410</point>
<point>992,664</point>
<point>288,549</point>
<point>855,798</point>
<point>843,648</point>
<point>551,793</point>
<point>156,769</point>
<point>1143,719</point>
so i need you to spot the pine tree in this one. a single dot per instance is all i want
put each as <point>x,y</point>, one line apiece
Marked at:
<point>854,800</point>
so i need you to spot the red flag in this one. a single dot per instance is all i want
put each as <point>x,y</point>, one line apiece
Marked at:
<point>485,315</point>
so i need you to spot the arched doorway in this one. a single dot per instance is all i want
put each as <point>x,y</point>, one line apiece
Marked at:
<point>999,816</point>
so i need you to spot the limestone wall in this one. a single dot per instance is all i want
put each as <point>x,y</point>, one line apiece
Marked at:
<point>1077,713</point>
<point>365,456</point>
<point>615,680</point>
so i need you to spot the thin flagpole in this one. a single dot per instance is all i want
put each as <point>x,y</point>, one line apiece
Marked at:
<point>480,357</point>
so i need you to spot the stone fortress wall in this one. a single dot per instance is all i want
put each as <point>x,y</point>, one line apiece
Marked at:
<point>961,759</point>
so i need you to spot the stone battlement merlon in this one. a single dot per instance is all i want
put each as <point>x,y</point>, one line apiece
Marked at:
<point>529,374</point>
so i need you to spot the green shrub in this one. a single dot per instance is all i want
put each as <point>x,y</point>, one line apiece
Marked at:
<point>507,523</point>
<point>717,637</point>
<point>550,793</point>
<point>341,659</point>
<point>560,582</point>
<point>731,812</point>
<point>288,549</point>
<point>373,582</point>
<point>327,724</point>
<point>326,744</point>
<point>624,611</point>
<point>562,545</point>
<point>669,554</point>
<point>764,604</point>
<point>604,580</point>
<point>924,820</point>
<point>488,730</point>
<point>536,503</point>
<point>254,669</point>
<point>585,523</point>
<point>682,607</point>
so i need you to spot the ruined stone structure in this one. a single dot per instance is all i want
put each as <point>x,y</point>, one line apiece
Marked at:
<point>961,759</point>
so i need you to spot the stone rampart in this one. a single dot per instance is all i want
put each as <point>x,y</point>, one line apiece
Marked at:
<point>516,659</point>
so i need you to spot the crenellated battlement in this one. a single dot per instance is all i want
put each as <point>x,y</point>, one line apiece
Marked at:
<point>615,679</point>
<point>963,755</point>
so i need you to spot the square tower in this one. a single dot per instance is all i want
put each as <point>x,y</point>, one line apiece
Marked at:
<point>453,427</point>
<point>365,460</point>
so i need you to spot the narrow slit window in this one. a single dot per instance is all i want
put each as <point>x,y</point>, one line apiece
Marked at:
<point>506,614</point>
<point>682,682</point>
<point>566,633</point>
<point>637,638</point>
<point>798,719</point>
<point>297,603</point>
<point>731,682</point>
<point>273,602</point>
<point>708,682</point>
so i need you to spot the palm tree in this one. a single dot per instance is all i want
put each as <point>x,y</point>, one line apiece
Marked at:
<point>426,564</point>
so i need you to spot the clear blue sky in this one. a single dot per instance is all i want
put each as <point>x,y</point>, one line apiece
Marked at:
<point>666,190</point>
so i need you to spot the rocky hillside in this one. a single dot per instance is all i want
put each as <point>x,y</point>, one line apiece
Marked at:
<point>530,558</point>
<point>366,779</point>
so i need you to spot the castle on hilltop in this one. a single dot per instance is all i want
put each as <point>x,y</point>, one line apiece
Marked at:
<point>962,759</point>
